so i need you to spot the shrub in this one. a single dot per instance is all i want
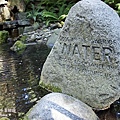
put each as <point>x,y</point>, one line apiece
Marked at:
<point>50,11</point>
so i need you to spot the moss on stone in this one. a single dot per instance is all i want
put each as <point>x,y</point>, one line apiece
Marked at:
<point>18,46</point>
<point>25,117</point>
<point>23,38</point>
<point>3,36</point>
<point>4,118</point>
<point>50,87</point>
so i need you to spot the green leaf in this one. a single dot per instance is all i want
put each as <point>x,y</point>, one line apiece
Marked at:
<point>61,9</point>
<point>62,17</point>
<point>118,6</point>
<point>49,15</point>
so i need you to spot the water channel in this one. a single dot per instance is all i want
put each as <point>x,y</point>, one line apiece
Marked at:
<point>19,79</point>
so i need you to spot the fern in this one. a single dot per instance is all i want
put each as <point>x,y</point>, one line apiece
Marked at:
<point>48,14</point>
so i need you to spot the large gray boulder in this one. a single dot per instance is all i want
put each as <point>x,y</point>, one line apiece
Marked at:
<point>85,60</point>
<point>57,106</point>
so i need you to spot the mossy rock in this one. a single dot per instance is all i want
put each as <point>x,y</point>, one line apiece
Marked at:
<point>4,118</point>
<point>3,36</point>
<point>23,38</point>
<point>50,87</point>
<point>18,46</point>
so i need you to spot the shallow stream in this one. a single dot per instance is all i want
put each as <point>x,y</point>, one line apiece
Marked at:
<point>19,79</point>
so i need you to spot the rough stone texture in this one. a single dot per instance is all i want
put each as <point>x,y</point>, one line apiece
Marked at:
<point>21,16</point>
<point>10,24</point>
<point>18,3</point>
<point>57,106</point>
<point>84,61</point>
<point>23,22</point>
<point>4,11</point>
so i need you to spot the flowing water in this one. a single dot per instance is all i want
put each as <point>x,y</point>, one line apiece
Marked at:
<point>19,79</point>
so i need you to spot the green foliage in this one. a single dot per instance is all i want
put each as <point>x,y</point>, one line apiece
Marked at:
<point>34,13</point>
<point>115,4</point>
<point>57,11</point>
<point>52,17</point>
<point>27,2</point>
<point>50,11</point>
<point>118,8</point>
<point>3,36</point>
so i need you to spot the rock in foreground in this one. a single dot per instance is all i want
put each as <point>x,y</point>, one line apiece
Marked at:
<point>58,106</point>
<point>85,60</point>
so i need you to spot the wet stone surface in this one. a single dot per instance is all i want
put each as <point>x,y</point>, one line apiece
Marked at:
<point>19,77</point>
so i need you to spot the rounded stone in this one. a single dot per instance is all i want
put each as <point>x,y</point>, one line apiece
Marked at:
<point>58,106</point>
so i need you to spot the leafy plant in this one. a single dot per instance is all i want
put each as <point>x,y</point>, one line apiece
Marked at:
<point>27,1</point>
<point>59,12</point>
<point>50,11</point>
<point>34,13</point>
<point>118,8</point>
<point>52,17</point>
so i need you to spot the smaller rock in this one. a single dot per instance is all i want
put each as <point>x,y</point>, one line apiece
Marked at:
<point>20,30</point>
<point>29,44</point>
<point>10,24</point>
<point>28,29</point>
<point>33,37</point>
<point>58,106</point>
<point>21,16</point>
<point>18,47</point>
<point>17,4</point>
<point>35,26</point>
<point>6,12</point>
<point>118,116</point>
<point>23,22</point>
<point>38,37</point>
<point>4,118</point>
<point>39,41</point>
<point>56,25</point>
<point>10,41</point>
<point>3,2</point>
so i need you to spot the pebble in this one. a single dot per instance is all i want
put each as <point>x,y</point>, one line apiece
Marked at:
<point>39,36</point>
